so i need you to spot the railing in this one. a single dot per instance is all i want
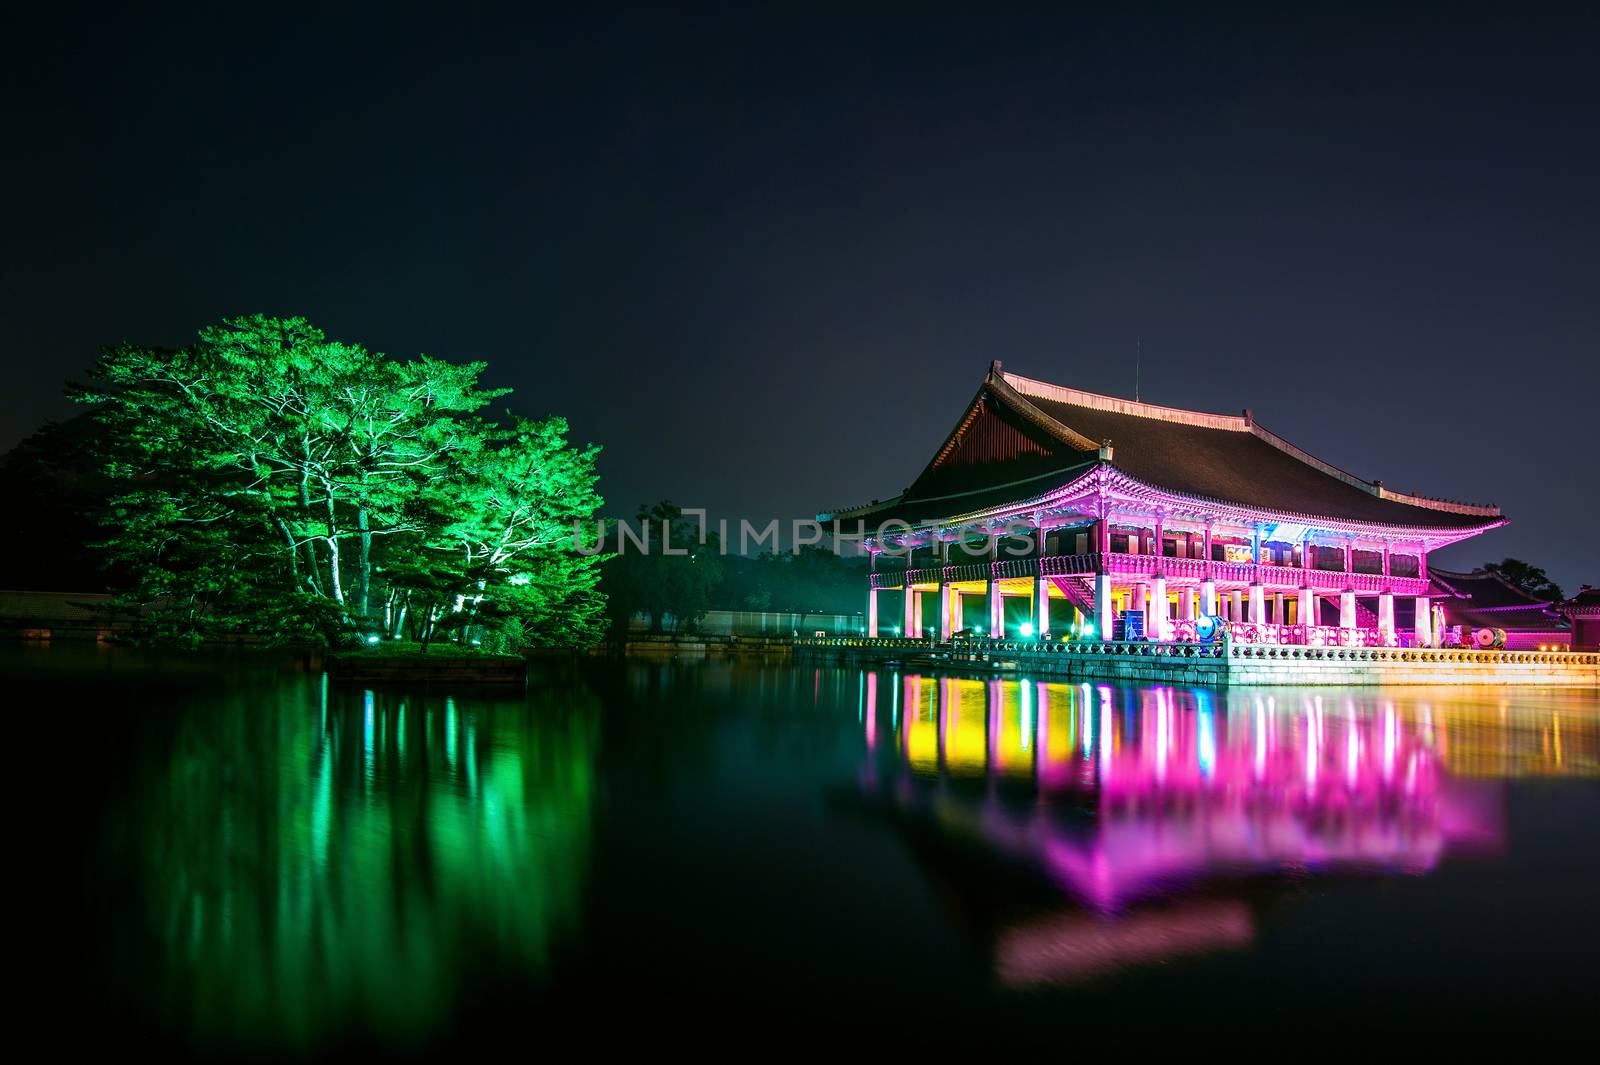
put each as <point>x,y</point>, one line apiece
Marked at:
<point>1266,634</point>
<point>1224,648</point>
<point>1149,566</point>
<point>956,649</point>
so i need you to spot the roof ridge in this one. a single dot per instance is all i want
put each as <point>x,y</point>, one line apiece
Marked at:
<point>1026,386</point>
<point>1003,390</point>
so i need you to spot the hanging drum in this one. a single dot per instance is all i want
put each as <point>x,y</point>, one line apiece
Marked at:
<point>1486,639</point>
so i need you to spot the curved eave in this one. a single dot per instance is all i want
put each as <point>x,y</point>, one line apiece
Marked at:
<point>1107,479</point>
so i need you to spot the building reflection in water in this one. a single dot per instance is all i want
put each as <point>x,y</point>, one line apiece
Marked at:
<point>1155,816</point>
<point>312,873</point>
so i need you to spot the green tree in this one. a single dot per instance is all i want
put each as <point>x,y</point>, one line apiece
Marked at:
<point>267,475</point>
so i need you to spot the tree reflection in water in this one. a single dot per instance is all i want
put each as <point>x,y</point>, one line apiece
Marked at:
<point>316,870</point>
<point>1155,814</point>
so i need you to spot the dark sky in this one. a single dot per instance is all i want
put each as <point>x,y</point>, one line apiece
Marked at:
<point>766,259</point>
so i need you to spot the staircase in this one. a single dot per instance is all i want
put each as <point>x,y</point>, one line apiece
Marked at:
<point>1078,593</point>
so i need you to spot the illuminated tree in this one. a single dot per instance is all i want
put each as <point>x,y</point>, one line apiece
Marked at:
<point>271,475</point>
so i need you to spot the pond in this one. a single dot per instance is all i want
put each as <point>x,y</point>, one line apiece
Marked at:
<point>247,859</point>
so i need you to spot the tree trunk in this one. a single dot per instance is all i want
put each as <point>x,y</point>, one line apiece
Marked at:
<point>364,574</point>
<point>331,519</point>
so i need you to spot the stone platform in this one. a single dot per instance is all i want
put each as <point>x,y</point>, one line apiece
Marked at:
<point>1220,664</point>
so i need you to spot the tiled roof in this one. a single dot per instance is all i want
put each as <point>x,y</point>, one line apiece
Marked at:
<point>1018,434</point>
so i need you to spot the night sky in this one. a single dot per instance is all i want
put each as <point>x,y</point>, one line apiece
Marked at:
<point>765,260</point>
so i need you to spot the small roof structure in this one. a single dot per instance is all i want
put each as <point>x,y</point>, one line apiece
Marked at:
<point>1482,599</point>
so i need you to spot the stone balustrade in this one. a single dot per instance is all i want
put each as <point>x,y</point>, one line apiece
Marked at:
<point>1225,662</point>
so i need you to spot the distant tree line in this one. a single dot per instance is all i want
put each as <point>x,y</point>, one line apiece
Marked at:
<point>674,589</point>
<point>1530,578</point>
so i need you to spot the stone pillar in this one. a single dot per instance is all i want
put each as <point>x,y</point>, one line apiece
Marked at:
<point>1236,605</point>
<point>1156,626</point>
<point>947,600</point>
<point>1424,626</point>
<point>1041,607</point>
<point>1258,604</point>
<point>1386,614</point>
<point>1278,616</point>
<point>1347,609</point>
<point>1306,609</point>
<point>997,611</point>
<point>1138,603</point>
<point>872,613</point>
<point>1186,604</point>
<point>1208,594</point>
<point>911,623</point>
<point>1102,605</point>
<point>958,619</point>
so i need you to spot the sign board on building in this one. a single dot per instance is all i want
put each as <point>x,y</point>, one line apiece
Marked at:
<point>1132,625</point>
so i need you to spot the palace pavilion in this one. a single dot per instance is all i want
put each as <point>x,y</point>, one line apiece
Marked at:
<point>1069,513</point>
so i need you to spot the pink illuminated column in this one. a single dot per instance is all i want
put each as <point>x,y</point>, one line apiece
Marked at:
<point>1306,612</point>
<point>1156,625</point>
<point>1386,614</point>
<point>997,611</point>
<point>1236,605</point>
<point>1258,603</point>
<point>911,624</point>
<point>872,613</point>
<point>1347,609</point>
<point>1102,605</point>
<point>1424,626</point>
<point>1185,604</point>
<point>947,609</point>
<point>1208,595</point>
<point>1041,607</point>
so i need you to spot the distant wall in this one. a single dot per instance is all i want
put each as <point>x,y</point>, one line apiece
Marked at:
<point>767,623</point>
<point>59,615</point>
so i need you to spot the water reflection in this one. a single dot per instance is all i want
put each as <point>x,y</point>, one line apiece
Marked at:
<point>316,866</point>
<point>1155,815</point>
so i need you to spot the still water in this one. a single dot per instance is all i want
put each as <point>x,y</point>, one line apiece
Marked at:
<point>665,853</point>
